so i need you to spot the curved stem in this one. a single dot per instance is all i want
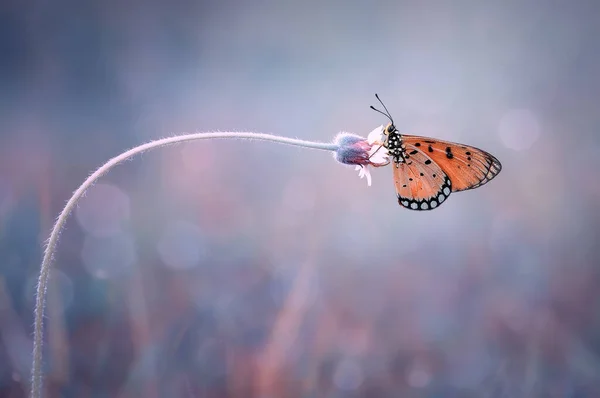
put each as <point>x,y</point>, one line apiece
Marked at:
<point>36,371</point>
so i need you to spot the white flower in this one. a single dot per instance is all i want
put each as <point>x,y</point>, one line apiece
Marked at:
<point>364,153</point>
<point>378,155</point>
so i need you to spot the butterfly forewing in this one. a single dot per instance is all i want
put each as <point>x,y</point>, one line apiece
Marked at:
<point>420,182</point>
<point>466,166</point>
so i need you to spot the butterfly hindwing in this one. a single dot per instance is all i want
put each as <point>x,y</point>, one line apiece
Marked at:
<point>420,182</point>
<point>466,166</point>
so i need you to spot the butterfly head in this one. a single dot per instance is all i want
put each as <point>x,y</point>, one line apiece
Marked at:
<point>389,129</point>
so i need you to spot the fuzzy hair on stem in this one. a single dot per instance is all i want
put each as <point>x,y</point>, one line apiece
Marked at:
<point>36,370</point>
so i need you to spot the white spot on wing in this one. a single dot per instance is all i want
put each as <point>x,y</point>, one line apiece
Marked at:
<point>414,206</point>
<point>447,191</point>
<point>433,204</point>
<point>424,206</point>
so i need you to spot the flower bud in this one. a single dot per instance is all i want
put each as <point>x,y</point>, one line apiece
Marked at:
<point>362,152</point>
<point>352,149</point>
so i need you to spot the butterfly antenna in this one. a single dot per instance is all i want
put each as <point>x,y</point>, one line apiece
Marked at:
<point>384,107</point>
<point>383,113</point>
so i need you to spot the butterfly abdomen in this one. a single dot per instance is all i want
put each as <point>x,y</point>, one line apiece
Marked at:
<point>396,147</point>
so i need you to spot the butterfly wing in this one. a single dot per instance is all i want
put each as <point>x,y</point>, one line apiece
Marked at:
<point>421,184</point>
<point>466,166</point>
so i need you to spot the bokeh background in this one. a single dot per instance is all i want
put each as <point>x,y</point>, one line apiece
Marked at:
<point>248,269</point>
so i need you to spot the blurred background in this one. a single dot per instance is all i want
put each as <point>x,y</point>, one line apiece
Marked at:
<point>250,269</point>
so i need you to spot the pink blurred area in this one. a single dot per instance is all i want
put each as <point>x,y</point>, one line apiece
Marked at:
<point>248,269</point>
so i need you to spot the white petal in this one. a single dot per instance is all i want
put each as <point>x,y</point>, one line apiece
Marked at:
<point>361,171</point>
<point>364,172</point>
<point>376,135</point>
<point>368,174</point>
<point>378,154</point>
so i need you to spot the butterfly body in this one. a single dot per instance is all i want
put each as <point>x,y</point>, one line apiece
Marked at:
<point>395,144</point>
<point>426,170</point>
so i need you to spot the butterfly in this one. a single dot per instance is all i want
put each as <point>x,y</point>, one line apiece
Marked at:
<point>428,170</point>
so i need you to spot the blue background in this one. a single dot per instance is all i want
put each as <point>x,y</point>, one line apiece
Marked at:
<point>248,269</point>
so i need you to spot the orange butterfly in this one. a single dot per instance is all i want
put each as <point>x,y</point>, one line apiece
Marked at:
<point>427,170</point>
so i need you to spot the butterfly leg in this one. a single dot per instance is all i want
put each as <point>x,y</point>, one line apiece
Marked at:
<point>380,164</point>
<point>373,154</point>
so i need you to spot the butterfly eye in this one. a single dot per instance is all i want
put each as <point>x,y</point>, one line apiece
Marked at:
<point>391,128</point>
